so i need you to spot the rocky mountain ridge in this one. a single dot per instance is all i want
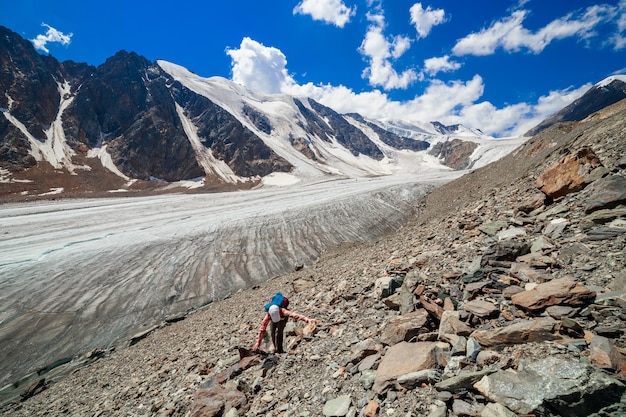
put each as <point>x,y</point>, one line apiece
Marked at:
<point>133,125</point>
<point>608,91</point>
<point>507,292</point>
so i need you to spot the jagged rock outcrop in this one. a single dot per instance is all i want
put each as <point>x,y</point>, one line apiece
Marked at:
<point>455,153</point>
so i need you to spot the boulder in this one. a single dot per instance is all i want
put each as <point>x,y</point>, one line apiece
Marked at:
<point>491,228</point>
<point>364,349</point>
<point>405,358</point>
<point>606,193</point>
<point>563,291</point>
<point>553,386</point>
<point>481,308</point>
<point>523,331</point>
<point>405,293</point>
<point>216,401</point>
<point>337,407</point>
<point>404,328</point>
<point>505,250</point>
<point>604,354</point>
<point>569,174</point>
<point>452,324</point>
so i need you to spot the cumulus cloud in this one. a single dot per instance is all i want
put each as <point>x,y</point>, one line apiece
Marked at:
<point>260,68</point>
<point>51,35</point>
<point>425,19</point>
<point>333,12</point>
<point>264,69</point>
<point>380,52</point>
<point>516,119</point>
<point>510,34</point>
<point>435,65</point>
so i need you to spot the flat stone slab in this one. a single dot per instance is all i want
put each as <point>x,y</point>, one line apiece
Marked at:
<point>524,331</point>
<point>405,358</point>
<point>563,291</point>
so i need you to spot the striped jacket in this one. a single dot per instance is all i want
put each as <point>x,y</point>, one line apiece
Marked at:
<point>284,314</point>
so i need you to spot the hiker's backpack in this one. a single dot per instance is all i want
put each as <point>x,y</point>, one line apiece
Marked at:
<point>279,300</point>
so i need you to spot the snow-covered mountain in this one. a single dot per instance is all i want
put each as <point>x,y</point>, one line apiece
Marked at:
<point>132,124</point>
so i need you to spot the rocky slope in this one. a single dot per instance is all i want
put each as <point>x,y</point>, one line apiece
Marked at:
<point>506,295</point>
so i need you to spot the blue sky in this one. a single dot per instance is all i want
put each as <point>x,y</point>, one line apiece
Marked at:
<point>500,66</point>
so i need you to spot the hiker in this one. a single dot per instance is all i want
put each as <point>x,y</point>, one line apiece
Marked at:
<point>277,315</point>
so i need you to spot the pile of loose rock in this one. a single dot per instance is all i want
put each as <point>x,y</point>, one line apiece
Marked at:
<point>506,297</point>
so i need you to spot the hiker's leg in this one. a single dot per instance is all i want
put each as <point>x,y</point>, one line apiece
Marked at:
<point>273,333</point>
<point>279,336</point>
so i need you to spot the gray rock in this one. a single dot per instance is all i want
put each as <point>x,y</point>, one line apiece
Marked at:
<point>405,293</point>
<point>541,244</point>
<point>472,349</point>
<point>367,378</point>
<point>607,215</point>
<point>572,388</point>
<point>465,380</point>
<point>460,407</point>
<point>439,411</point>
<point>607,192</point>
<point>337,407</point>
<point>555,228</point>
<point>415,379</point>
<point>491,228</point>
<point>496,410</point>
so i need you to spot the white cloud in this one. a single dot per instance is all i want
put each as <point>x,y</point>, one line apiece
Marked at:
<point>264,69</point>
<point>260,68</point>
<point>425,19</point>
<point>334,12</point>
<point>435,65</point>
<point>510,34</point>
<point>380,52</point>
<point>52,35</point>
<point>516,119</point>
<point>618,39</point>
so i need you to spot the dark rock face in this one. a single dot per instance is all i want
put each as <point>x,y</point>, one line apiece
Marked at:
<point>258,119</point>
<point>592,101</point>
<point>27,79</point>
<point>392,139</point>
<point>229,140</point>
<point>127,105</point>
<point>455,153</point>
<point>339,128</point>
<point>346,134</point>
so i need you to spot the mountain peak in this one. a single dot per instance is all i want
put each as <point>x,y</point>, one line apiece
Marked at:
<point>609,80</point>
